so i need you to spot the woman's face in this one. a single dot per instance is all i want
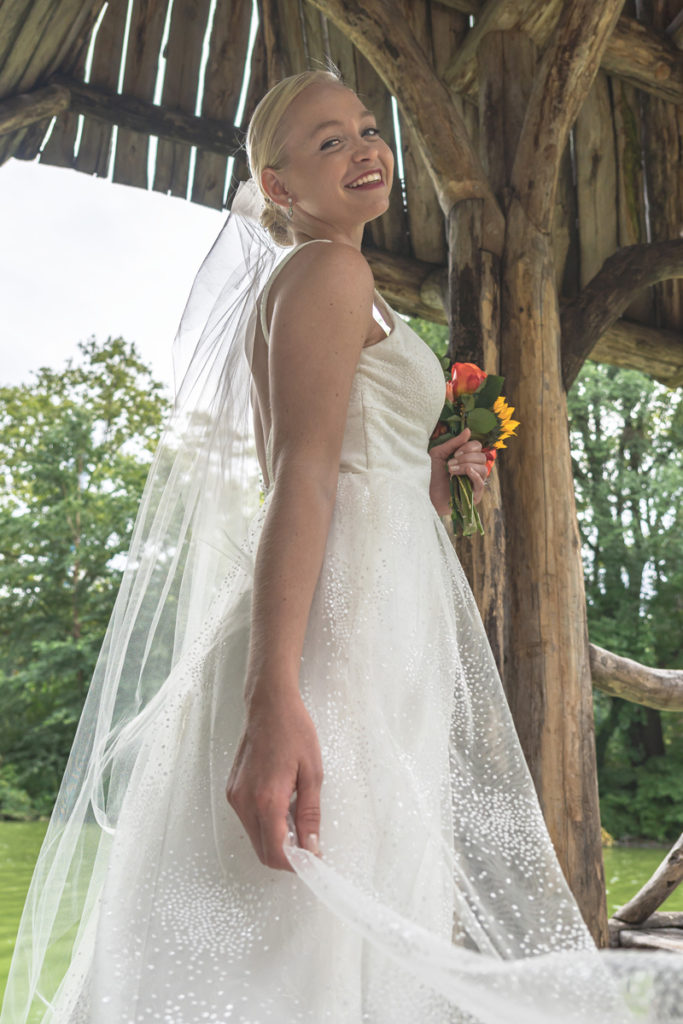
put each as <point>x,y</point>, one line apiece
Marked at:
<point>338,169</point>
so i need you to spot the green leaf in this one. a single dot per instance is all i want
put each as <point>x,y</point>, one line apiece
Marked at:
<point>482,421</point>
<point>490,391</point>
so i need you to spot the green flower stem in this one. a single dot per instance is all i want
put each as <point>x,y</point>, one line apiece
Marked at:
<point>464,514</point>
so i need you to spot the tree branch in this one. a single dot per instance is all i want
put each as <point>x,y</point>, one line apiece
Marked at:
<point>646,59</point>
<point>27,108</point>
<point>659,688</point>
<point>561,84</point>
<point>587,316</point>
<point>383,36</point>
<point>668,875</point>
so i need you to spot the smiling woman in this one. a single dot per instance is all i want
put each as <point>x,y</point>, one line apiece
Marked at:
<point>317,658</point>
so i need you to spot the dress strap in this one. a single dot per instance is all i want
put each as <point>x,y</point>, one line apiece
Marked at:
<point>264,294</point>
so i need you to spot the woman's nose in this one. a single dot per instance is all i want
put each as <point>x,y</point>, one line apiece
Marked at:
<point>366,147</point>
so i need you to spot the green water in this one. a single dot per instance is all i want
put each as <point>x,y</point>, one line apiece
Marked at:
<point>626,869</point>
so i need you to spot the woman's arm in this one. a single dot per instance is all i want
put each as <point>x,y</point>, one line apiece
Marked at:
<point>322,309</point>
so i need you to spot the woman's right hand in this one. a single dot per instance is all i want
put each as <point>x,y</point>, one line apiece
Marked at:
<point>278,753</point>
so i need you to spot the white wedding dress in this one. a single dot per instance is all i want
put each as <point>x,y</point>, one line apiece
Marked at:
<point>438,898</point>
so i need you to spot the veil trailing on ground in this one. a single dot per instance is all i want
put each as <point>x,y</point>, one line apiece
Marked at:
<point>522,954</point>
<point>201,493</point>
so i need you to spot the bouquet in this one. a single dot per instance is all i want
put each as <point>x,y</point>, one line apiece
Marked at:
<point>473,400</point>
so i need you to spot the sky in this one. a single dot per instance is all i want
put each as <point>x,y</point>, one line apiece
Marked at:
<point>81,256</point>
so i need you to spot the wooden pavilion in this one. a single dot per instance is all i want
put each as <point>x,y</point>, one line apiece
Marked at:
<point>541,218</point>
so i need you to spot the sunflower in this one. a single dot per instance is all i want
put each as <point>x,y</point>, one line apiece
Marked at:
<point>507,425</point>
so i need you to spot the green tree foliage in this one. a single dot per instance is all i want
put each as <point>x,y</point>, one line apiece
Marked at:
<point>75,448</point>
<point>627,438</point>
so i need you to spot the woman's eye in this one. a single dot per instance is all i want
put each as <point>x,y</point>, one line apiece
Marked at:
<point>374,130</point>
<point>328,143</point>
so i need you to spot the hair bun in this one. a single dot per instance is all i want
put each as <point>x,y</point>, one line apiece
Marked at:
<point>274,220</point>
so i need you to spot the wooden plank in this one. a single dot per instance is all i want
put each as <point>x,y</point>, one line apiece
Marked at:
<point>60,33</point>
<point>314,30</point>
<point>94,150</point>
<point>425,217</point>
<point>390,231</point>
<point>631,215</point>
<point>663,126</point>
<point>59,148</point>
<point>142,61</point>
<point>596,179</point>
<point>257,88</point>
<point>13,18</point>
<point>289,14</point>
<point>448,30</point>
<point>283,55</point>
<point>565,235</point>
<point>15,58</point>
<point>342,52</point>
<point>222,86</point>
<point>181,82</point>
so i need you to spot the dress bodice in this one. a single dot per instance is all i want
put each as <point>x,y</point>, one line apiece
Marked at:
<point>396,397</point>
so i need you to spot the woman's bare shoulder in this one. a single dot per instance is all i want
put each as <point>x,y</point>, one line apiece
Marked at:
<point>323,268</point>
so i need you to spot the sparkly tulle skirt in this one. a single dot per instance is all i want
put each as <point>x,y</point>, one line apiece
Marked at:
<point>438,897</point>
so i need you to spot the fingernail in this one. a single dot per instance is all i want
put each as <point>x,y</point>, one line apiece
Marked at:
<point>312,844</point>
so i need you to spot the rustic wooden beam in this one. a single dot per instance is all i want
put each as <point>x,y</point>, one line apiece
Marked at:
<point>416,288</point>
<point>566,72</point>
<point>206,133</point>
<point>648,59</point>
<point>662,883</point>
<point>661,922</point>
<point>29,107</point>
<point>587,316</point>
<point>668,940</point>
<point>452,162</point>
<point>659,688</point>
<point>412,287</point>
<point>654,351</point>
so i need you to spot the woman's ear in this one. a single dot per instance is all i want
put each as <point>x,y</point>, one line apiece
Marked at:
<point>274,187</point>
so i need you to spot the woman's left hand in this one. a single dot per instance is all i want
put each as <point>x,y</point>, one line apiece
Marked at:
<point>457,457</point>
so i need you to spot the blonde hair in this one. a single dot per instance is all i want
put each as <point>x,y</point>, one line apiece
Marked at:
<point>266,146</point>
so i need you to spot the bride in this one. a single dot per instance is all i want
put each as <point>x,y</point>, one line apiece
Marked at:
<point>381,856</point>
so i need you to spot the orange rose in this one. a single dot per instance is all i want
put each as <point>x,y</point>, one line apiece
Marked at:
<point>439,429</point>
<point>466,378</point>
<point>449,391</point>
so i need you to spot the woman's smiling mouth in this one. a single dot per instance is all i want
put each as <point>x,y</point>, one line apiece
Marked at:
<point>369,179</point>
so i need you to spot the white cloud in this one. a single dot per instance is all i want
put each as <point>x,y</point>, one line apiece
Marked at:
<point>81,256</point>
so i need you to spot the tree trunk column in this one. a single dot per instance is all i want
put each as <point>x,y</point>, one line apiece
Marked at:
<point>547,659</point>
<point>473,315</point>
